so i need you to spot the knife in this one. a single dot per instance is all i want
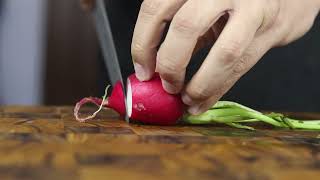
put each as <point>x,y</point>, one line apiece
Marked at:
<point>108,48</point>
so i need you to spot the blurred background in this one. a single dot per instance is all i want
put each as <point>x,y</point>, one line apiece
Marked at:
<point>49,55</point>
<point>48,52</point>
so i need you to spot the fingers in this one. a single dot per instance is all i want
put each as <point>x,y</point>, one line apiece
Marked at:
<point>250,57</point>
<point>152,19</point>
<point>225,63</point>
<point>192,21</point>
<point>87,5</point>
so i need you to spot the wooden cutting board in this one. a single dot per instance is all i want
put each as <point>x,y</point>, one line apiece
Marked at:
<point>47,143</point>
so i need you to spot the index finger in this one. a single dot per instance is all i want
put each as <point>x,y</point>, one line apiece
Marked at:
<point>151,22</point>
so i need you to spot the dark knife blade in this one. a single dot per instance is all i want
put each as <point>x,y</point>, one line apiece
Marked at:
<point>108,48</point>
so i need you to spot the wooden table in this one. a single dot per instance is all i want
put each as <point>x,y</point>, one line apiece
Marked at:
<point>47,143</point>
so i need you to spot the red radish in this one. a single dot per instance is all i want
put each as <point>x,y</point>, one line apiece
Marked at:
<point>147,102</point>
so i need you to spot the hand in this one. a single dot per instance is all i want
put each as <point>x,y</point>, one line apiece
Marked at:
<point>87,5</point>
<point>246,31</point>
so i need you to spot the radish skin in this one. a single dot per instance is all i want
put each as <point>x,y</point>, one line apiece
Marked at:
<point>147,102</point>
<point>151,104</point>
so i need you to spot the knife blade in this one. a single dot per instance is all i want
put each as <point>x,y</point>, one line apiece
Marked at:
<point>108,48</point>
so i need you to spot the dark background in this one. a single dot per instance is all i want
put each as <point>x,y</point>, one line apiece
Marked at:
<point>284,79</point>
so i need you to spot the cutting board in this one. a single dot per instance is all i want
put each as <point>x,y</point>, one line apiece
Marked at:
<point>48,143</point>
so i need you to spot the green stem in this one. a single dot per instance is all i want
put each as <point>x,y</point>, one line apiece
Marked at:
<point>233,114</point>
<point>216,115</point>
<point>306,124</point>
<point>236,125</point>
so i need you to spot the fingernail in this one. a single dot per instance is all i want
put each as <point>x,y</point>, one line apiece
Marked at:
<point>169,87</point>
<point>194,110</point>
<point>141,72</point>
<point>187,100</point>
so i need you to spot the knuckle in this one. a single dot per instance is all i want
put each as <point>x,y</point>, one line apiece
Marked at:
<point>169,71</point>
<point>184,25</point>
<point>231,51</point>
<point>282,34</point>
<point>137,50</point>
<point>241,66</point>
<point>273,9</point>
<point>198,93</point>
<point>270,14</point>
<point>289,35</point>
<point>284,41</point>
<point>150,8</point>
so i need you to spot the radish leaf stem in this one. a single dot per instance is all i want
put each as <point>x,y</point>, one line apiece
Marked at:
<point>234,114</point>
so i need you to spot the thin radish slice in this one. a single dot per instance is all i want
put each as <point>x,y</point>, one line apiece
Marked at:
<point>129,98</point>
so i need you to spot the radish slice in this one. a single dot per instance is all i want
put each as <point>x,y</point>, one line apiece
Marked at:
<point>129,98</point>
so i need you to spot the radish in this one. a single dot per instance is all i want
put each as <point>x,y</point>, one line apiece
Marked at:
<point>148,102</point>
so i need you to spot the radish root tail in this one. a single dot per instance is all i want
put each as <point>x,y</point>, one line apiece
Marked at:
<point>97,101</point>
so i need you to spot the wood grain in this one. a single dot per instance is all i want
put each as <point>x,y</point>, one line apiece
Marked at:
<point>47,143</point>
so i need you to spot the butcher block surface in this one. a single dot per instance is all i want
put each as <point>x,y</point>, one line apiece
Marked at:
<point>48,143</point>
